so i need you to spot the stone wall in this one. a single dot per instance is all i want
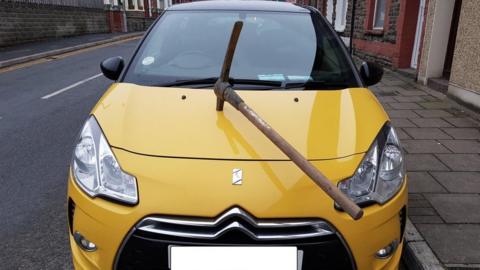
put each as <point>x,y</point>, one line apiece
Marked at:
<point>136,21</point>
<point>22,22</point>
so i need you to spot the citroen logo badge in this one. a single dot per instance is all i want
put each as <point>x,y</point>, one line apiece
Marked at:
<point>237,177</point>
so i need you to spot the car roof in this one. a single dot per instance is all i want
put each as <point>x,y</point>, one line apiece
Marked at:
<point>241,5</point>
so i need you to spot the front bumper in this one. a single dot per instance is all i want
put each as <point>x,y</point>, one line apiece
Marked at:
<point>112,226</point>
<point>123,246</point>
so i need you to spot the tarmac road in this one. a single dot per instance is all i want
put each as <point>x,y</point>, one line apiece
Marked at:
<point>36,140</point>
<point>42,108</point>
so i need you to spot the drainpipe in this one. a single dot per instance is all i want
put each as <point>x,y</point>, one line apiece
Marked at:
<point>352,25</point>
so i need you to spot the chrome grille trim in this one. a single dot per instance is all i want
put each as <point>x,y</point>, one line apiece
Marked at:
<point>204,228</point>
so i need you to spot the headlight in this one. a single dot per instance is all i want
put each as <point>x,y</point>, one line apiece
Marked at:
<point>96,170</point>
<point>381,172</point>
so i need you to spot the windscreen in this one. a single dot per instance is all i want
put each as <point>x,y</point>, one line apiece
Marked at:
<point>283,47</point>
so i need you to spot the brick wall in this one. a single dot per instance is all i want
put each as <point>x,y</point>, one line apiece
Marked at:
<point>361,33</point>
<point>391,46</point>
<point>25,22</point>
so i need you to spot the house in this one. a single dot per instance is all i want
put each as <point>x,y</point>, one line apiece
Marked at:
<point>133,15</point>
<point>450,54</point>
<point>437,41</point>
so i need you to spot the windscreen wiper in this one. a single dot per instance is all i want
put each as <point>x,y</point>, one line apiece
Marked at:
<point>232,81</point>
<point>210,80</point>
<point>319,85</point>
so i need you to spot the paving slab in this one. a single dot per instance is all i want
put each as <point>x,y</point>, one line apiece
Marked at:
<point>426,219</point>
<point>402,122</point>
<point>385,99</point>
<point>453,243</point>
<point>401,134</point>
<point>461,162</point>
<point>414,197</point>
<point>410,99</point>
<point>433,113</point>
<point>402,114</point>
<point>459,182</point>
<point>431,98</point>
<point>462,146</point>
<point>404,105</point>
<point>424,147</point>
<point>423,182</point>
<point>456,208</point>
<point>390,88</point>
<point>417,203</point>
<point>413,93</point>
<point>435,105</point>
<point>430,122</point>
<point>422,211</point>
<point>424,162</point>
<point>427,133</point>
<point>462,122</point>
<point>463,133</point>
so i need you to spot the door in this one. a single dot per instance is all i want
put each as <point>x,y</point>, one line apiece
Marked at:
<point>447,68</point>
<point>418,35</point>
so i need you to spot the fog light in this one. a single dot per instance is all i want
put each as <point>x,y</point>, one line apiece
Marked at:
<point>388,250</point>
<point>83,242</point>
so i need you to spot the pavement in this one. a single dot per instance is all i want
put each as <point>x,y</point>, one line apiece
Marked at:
<point>12,52</point>
<point>442,142</point>
<point>22,53</point>
<point>44,104</point>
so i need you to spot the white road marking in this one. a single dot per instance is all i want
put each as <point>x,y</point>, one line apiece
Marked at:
<point>71,86</point>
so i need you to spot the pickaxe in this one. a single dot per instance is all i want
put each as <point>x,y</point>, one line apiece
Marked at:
<point>224,92</point>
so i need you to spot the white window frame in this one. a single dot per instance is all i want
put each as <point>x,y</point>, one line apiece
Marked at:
<point>135,4</point>
<point>375,16</point>
<point>330,8</point>
<point>111,2</point>
<point>341,15</point>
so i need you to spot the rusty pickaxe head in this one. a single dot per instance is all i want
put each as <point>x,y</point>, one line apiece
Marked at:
<point>222,85</point>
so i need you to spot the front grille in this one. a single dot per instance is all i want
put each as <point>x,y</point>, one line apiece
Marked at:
<point>147,246</point>
<point>235,219</point>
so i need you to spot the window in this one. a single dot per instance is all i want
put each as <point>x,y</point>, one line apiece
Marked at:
<point>160,4</point>
<point>111,2</point>
<point>330,11</point>
<point>285,47</point>
<point>135,5</point>
<point>379,15</point>
<point>341,15</point>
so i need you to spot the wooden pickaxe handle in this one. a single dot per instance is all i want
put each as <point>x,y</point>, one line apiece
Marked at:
<point>225,92</point>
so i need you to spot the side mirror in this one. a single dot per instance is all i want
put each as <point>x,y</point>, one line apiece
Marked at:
<point>112,67</point>
<point>371,73</point>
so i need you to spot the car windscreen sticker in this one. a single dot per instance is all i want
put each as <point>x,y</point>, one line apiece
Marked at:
<point>299,78</point>
<point>148,60</point>
<point>271,77</point>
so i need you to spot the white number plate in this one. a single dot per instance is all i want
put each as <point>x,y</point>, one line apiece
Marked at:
<point>233,258</point>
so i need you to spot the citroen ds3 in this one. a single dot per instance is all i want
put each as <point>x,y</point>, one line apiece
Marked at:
<point>159,177</point>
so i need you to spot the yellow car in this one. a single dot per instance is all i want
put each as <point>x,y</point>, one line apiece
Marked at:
<point>161,180</point>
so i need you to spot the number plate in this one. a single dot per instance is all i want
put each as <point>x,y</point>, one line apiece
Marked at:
<point>233,258</point>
